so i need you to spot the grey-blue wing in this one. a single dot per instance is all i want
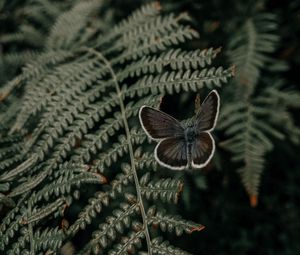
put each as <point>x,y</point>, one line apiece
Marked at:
<point>172,153</point>
<point>159,125</point>
<point>202,150</point>
<point>207,117</point>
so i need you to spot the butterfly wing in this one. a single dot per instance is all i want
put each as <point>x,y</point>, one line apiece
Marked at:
<point>206,119</point>
<point>172,153</point>
<point>159,125</point>
<point>203,150</point>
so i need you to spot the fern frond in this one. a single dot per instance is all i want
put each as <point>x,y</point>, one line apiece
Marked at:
<point>128,244</point>
<point>8,151</point>
<point>30,184</point>
<point>33,69</point>
<point>171,82</point>
<point>121,181</point>
<point>48,239</point>
<point>10,231</point>
<point>176,59</point>
<point>27,34</point>
<point>117,150</point>
<point>115,224</point>
<point>9,162</point>
<point>64,34</point>
<point>250,46</point>
<point>90,211</point>
<point>19,59</point>
<point>154,45</point>
<point>136,19</point>
<point>42,94</point>
<point>94,143</point>
<point>146,160</point>
<point>22,168</point>
<point>11,224</point>
<point>9,139</point>
<point>66,177</point>
<point>4,200</point>
<point>102,199</point>
<point>165,189</point>
<point>250,127</point>
<point>39,214</point>
<point>171,223</point>
<point>139,35</point>
<point>20,245</point>
<point>161,247</point>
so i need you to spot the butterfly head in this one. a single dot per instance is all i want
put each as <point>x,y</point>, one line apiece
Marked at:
<point>186,123</point>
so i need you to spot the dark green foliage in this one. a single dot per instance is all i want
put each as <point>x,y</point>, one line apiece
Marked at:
<point>252,123</point>
<point>73,76</point>
<point>75,126</point>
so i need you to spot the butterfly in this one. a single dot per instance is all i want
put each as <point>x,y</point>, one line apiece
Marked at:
<point>182,146</point>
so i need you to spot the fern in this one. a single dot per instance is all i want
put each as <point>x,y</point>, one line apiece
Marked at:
<point>250,47</point>
<point>164,189</point>
<point>251,121</point>
<point>29,26</point>
<point>164,248</point>
<point>79,101</point>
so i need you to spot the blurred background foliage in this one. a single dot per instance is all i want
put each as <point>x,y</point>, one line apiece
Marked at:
<point>215,196</point>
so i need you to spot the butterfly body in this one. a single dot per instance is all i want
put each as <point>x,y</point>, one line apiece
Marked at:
<point>181,146</point>
<point>189,137</point>
<point>189,134</point>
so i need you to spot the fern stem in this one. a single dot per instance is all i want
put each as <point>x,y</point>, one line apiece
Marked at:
<point>130,146</point>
